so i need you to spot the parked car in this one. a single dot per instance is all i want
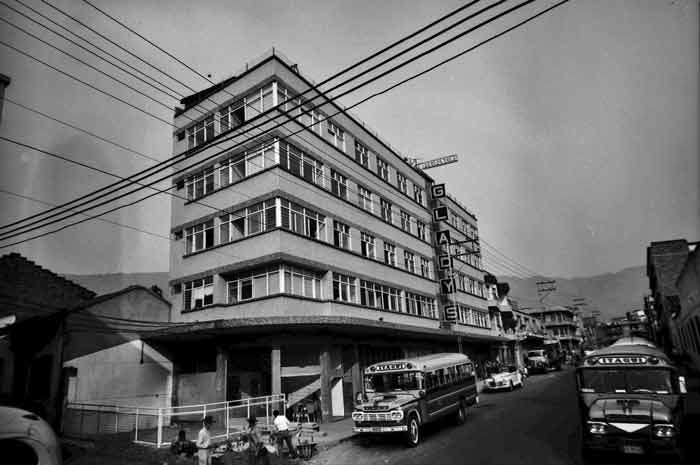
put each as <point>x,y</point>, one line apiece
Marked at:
<point>27,438</point>
<point>509,378</point>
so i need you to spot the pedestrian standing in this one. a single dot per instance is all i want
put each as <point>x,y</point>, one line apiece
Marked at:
<point>204,442</point>
<point>283,434</point>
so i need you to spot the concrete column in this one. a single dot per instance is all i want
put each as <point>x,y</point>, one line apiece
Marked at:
<point>276,363</point>
<point>325,363</point>
<point>221,373</point>
<point>220,290</point>
<point>356,371</point>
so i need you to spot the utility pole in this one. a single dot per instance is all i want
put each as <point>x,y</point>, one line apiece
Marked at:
<point>4,82</point>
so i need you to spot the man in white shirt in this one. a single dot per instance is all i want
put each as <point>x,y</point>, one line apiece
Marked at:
<point>282,426</point>
<point>204,442</point>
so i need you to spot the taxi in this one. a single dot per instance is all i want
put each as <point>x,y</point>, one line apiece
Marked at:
<point>630,400</point>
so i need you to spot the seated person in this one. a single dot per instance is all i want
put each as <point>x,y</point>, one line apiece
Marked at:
<point>183,449</point>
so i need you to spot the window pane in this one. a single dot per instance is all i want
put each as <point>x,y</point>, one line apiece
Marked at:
<point>260,286</point>
<point>297,285</point>
<point>274,282</point>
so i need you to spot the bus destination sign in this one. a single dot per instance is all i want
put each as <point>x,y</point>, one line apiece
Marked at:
<point>389,367</point>
<point>622,360</point>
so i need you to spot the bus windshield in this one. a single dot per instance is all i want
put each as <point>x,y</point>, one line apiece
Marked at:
<point>388,382</point>
<point>630,380</point>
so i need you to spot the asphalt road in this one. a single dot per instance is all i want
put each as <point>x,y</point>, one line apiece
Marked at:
<point>537,424</point>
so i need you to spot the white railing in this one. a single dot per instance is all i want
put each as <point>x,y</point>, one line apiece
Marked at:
<point>152,425</point>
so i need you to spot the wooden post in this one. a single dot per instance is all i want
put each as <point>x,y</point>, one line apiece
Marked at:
<point>356,370</point>
<point>276,365</point>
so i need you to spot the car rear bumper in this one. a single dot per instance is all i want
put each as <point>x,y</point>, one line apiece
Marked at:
<point>621,444</point>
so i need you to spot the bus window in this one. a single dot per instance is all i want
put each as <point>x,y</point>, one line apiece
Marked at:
<point>441,377</point>
<point>451,375</point>
<point>433,381</point>
<point>626,381</point>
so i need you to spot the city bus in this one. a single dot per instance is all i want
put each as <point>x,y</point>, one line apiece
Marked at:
<point>630,400</point>
<point>403,395</point>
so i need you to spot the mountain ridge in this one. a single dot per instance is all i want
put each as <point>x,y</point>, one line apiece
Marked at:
<point>612,294</point>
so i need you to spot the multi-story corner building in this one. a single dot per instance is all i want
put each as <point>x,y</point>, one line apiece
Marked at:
<point>665,261</point>
<point>561,323</point>
<point>304,252</point>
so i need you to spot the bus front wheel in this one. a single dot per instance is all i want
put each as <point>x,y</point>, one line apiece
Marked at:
<point>461,415</point>
<point>413,433</point>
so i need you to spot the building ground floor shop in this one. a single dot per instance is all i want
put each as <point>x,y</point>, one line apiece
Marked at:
<point>318,366</point>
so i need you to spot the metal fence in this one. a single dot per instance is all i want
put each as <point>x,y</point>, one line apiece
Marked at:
<point>156,425</point>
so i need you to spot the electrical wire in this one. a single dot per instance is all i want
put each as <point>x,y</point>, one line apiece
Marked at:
<point>406,80</point>
<point>286,113</point>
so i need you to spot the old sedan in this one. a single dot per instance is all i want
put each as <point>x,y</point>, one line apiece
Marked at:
<point>509,378</point>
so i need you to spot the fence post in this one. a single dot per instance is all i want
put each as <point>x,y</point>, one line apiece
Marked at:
<point>136,426</point>
<point>159,439</point>
<point>204,411</point>
<point>248,403</point>
<point>99,411</point>
<point>226,410</point>
<point>116,419</point>
<point>267,412</point>
<point>82,419</point>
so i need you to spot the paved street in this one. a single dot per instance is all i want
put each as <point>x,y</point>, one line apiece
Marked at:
<point>534,425</point>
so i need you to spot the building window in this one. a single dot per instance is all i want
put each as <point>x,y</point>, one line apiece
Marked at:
<point>199,237</point>
<point>247,164</point>
<point>420,226</point>
<point>301,164</point>
<point>382,169</point>
<point>420,305</point>
<point>198,293</point>
<point>418,194</point>
<point>385,207</point>
<point>200,184</point>
<point>405,221</point>
<point>389,254</point>
<point>274,280</point>
<point>339,185</point>
<point>247,221</point>
<point>460,282</point>
<point>361,154</point>
<point>344,288</point>
<point>409,261</point>
<point>365,199</point>
<point>232,116</point>
<point>337,134</point>
<point>258,101</point>
<point>426,270</point>
<point>341,235</point>
<point>367,245</point>
<point>379,296</point>
<point>401,183</point>
<point>200,132</point>
<point>302,220</point>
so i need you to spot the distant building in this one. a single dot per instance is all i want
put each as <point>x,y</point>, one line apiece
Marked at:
<point>665,261</point>
<point>562,324</point>
<point>632,324</point>
<point>688,319</point>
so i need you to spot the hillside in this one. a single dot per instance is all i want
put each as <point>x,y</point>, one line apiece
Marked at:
<point>612,294</point>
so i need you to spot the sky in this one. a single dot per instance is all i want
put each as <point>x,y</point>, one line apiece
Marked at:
<point>577,134</point>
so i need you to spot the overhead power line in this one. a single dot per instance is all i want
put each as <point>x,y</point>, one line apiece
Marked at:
<point>288,112</point>
<point>367,98</point>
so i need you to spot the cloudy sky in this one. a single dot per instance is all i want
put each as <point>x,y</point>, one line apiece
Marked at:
<point>577,134</point>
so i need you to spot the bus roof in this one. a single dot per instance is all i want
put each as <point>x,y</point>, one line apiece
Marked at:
<point>424,363</point>
<point>627,351</point>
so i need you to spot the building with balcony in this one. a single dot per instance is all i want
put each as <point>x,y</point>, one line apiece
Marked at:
<point>562,324</point>
<point>688,319</point>
<point>665,261</point>
<point>305,253</point>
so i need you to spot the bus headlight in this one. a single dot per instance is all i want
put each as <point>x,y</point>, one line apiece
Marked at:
<point>357,416</point>
<point>396,415</point>
<point>664,431</point>
<point>597,427</point>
